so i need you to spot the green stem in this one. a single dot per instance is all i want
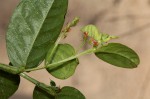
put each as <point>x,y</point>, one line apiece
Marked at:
<point>43,86</point>
<point>49,56</point>
<point>82,44</point>
<point>57,64</point>
<point>62,35</point>
<point>11,69</point>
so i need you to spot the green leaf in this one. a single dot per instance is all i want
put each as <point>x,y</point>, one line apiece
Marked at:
<point>34,25</point>
<point>66,69</point>
<point>8,84</point>
<point>118,55</point>
<point>92,31</point>
<point>69,93</point>
<point>65,93</point>
<point>41,94</point>
<point>52,83</point>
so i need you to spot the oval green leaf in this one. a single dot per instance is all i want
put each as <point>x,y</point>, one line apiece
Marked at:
<point>65,93</point>
<point>9,84</point>
<point>69,93</point>
<point>41,94</point>
<point>66,69</point>
<point>118,55</point>
<point>34,25</point>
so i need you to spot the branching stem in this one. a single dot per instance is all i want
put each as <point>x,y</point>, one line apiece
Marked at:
<point>57,64</point>
<point>11,69</point>
<point>43,86</point>
<point>63,34</point>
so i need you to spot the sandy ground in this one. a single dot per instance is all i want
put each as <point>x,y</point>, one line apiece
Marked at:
<point>129,19</point>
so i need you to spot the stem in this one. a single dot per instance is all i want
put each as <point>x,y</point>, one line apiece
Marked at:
<point>43,86</point>
<point>82,44</point>
<point>63,34</point>
<point>49,56</point>
<point>11,69</point>
<point>57,64</point>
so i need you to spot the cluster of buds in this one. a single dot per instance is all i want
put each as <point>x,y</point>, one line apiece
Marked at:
<point>96,38</point>
<point>92,40</point>
<point>69,25</point>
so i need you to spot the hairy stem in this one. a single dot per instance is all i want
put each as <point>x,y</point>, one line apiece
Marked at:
<point>57,64</point>
<point>11,69</point>
<point>49,57</point>
<point>43,86</point>
<point>63,34</point>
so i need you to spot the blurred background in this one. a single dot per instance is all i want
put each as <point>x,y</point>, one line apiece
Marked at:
<point>128,19</point>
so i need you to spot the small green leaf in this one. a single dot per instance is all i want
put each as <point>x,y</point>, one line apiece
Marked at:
<point>41,94</point>
<point>34,26</point>
<point>9,84</point>
<point>52,83</point>
<point>92,31</point>
<point>118,55</point>
<point>66,69</point>
<point>69,93</point>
